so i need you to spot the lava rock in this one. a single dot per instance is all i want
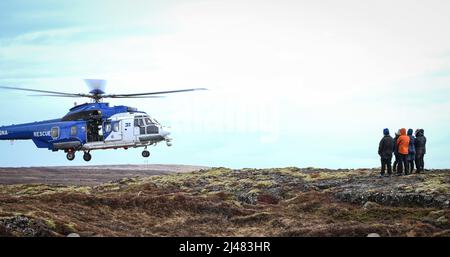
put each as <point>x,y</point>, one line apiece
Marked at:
<point>248,197</point>
<point>370,205</point>
<point>442,221</point>
<point>436,214</point>
<point>25,226</point>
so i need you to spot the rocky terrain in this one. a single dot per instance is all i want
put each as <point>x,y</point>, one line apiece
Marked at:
<point>226,202</point>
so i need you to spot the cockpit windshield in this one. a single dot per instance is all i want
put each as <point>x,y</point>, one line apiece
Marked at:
<point>150,121</point>
<point>146,124</point>
<point>147,120</point>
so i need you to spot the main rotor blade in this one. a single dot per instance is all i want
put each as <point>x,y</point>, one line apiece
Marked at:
<point>155,96</point>
<point>41,91</point>
<point>155,93</point>
<point>65,95</point>
<point>150,96</point>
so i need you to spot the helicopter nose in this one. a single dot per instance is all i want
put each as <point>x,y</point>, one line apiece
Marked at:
<point>164,132</point>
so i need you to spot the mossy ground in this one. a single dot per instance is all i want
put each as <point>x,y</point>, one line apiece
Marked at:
<point>225,202</point>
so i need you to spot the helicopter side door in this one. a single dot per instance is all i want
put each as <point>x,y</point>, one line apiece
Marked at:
<point>127,129</point>
<point>112,130</point>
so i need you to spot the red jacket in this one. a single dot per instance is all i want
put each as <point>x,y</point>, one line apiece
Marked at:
<point>403,142</point>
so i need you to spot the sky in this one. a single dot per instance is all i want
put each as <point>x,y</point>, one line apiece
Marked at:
<point>291,83</point>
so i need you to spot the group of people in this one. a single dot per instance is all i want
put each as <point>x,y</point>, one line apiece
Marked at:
<point>407,149</point>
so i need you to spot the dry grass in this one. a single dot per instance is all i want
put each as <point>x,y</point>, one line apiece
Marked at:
<point>218,202</point>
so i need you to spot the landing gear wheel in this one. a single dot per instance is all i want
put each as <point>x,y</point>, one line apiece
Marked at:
<point>145,154</point>
<point>70,156</point>
<point>87,157</point>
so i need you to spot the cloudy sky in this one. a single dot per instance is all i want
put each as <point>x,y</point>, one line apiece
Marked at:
<point>291,83</point>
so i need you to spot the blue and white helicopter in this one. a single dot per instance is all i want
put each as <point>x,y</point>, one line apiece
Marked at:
<point>93,126</point>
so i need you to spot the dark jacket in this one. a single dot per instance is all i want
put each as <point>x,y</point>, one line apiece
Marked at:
<point>420,143</point>
<point>395,145</point>
<point>386,147</point>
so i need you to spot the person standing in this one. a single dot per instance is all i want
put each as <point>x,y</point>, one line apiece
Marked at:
<point>385,150</point>
<point>395,165</point>
<point>411,151</point>
<point>420,144</point>
<point>403,150</point>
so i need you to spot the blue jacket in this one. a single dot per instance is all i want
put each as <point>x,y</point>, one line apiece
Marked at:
<point>412,148</point>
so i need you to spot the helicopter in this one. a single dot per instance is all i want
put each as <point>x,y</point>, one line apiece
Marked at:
<point>95,125</point>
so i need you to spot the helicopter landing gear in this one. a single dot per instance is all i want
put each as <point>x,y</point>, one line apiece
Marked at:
<point>145,154</point>
<point>70,156</point>
<point>87,156</point>
<point>168,141</point>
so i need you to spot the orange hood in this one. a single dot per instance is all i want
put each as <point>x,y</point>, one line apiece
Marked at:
<point>403,132</point>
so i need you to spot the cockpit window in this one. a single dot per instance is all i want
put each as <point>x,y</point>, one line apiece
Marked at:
<point>116,127</point>
<point>148,121</point>
<point>138,122</point>
<point>152,130</point>
<point>146,124</point>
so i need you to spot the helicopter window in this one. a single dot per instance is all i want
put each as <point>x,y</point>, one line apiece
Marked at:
<point>148,121</point>
<point>152,130</point>
<point>54,133</point>
<point>82,115</point>
<point>138,122</point>
<point>116,127</point>
<point>73,131</point>
<point>108,127</point>
<point>142,130</point>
